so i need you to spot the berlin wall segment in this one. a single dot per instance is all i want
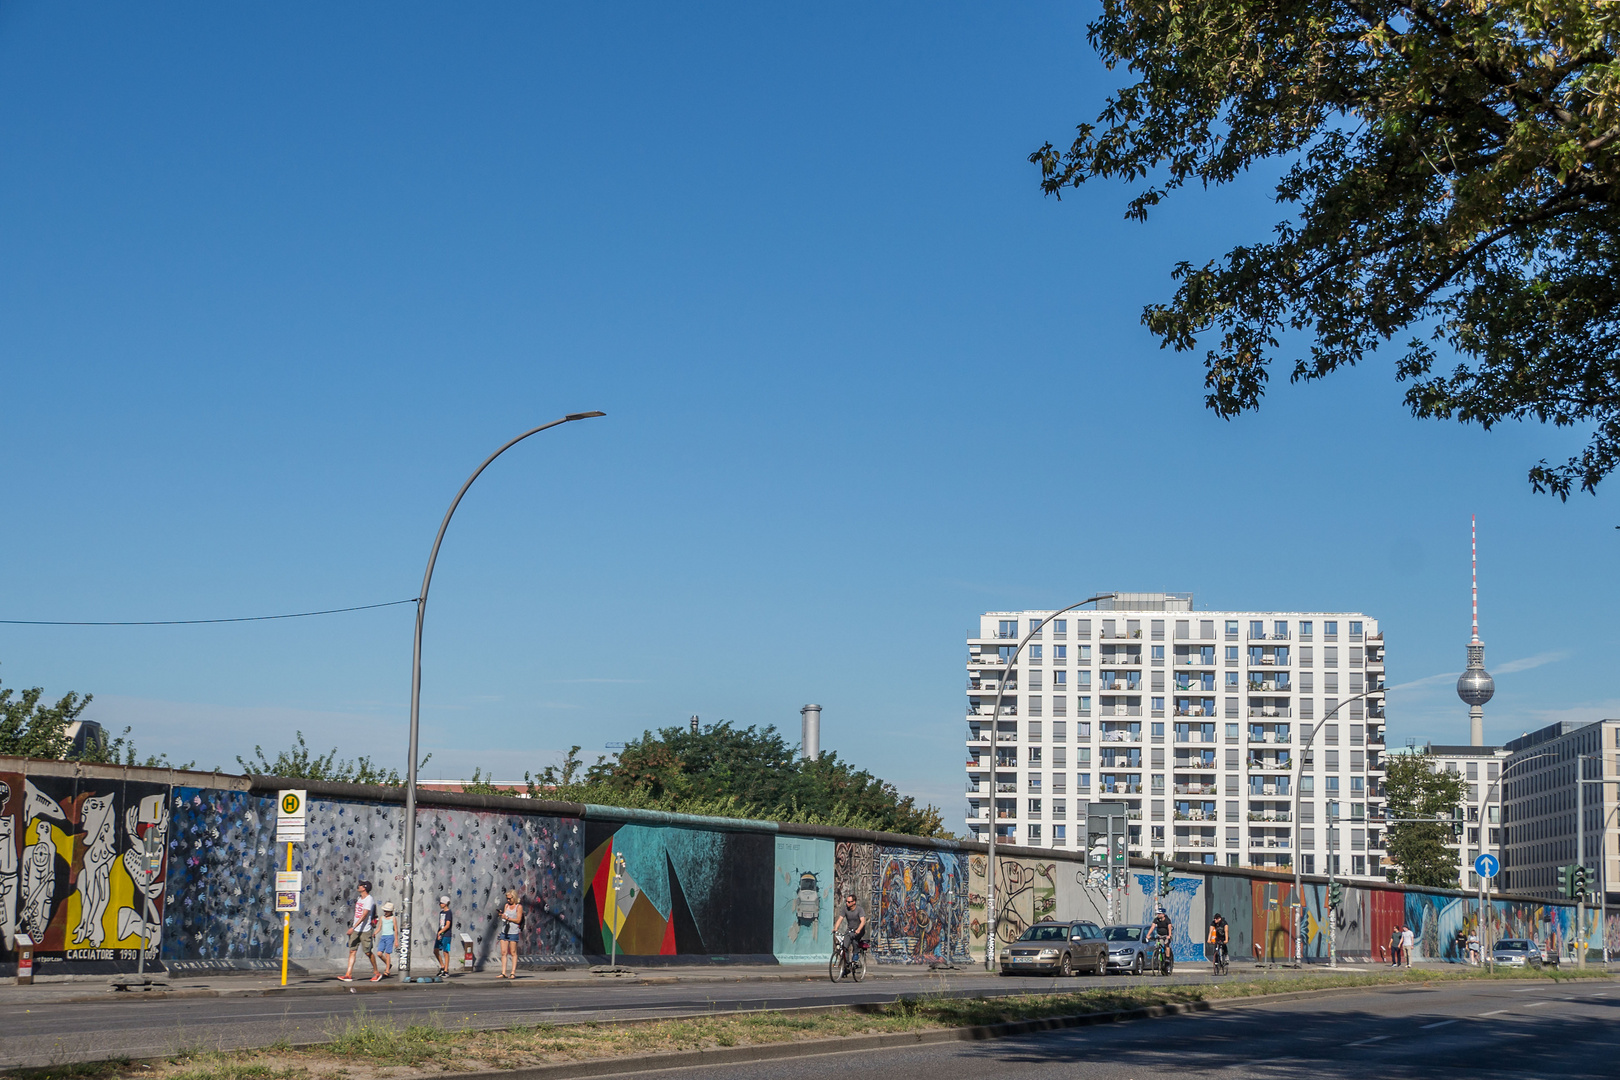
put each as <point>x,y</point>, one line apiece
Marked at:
<point>690,889</point>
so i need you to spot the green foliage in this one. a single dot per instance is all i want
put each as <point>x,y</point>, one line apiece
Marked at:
<point>726,771</point>
<point>298,762</point>
<point>1451,166</point>
<point>1413,788</point>
<point>30,729</point>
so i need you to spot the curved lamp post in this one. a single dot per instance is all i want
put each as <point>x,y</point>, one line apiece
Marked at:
<point>995,715</point>
<point>416,688</point>
<point>1486,946</point>
<point>1299,896</point>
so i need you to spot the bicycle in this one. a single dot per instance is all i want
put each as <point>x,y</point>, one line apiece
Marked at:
<point>1219,961</point>
<point>848,960</point>
<point>1163,961</point>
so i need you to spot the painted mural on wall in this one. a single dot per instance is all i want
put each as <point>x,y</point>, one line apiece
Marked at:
<point>854,868</point>
<point>921,906</point>
<point>224,858</point>
<point>805,905</point>
<point>72,873</point>
<point>1186,915</point>
<point>1274,929</point>
<point>1026,892</point>
<point>680,892</point>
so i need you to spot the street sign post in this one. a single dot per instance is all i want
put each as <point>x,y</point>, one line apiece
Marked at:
<point>152,867</point>
<point>1486,866</point>
<point>292,806</point>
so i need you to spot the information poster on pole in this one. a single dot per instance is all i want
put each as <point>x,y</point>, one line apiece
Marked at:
<point>291,806</point>
<point>289,884</point>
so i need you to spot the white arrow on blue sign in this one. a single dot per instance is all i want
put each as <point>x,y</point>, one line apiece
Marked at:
<point>1486,866</point>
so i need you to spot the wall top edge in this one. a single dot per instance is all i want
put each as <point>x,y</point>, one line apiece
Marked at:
<point>173,777</point>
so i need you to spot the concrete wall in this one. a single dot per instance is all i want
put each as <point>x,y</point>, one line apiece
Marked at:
<point>690,890</point>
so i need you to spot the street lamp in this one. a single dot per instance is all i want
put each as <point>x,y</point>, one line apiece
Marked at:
<point>1299,896</point>
<point>1485,946</point>
<point>416,688</point>
<point>995,715</point>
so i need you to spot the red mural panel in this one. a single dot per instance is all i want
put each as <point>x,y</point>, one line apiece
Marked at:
<point>1275,920</point>
<point>1387,911</point>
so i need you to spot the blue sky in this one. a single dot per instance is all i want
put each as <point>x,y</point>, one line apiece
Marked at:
<point>274,279</point>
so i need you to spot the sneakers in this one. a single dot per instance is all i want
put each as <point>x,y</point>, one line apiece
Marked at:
<point>377,977</point>
<point>345,978</point>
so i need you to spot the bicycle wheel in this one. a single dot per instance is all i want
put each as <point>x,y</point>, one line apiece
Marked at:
<point>857,966</point>
<point>835,966</point>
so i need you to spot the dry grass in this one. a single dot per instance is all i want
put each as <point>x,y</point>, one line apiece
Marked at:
<point>370,1048</point>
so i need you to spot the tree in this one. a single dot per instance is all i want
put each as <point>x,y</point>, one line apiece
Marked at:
<point>298,762</point>
<point>726,771</point>
<point>30,729</point>
<point>1415,788</point>
<point>1453,167</point>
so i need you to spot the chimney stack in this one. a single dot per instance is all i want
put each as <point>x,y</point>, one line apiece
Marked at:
<point>810,737</point>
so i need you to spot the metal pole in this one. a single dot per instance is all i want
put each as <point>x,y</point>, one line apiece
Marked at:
<point>1487,946</point>
<point>995,737</point>
<point>286,925</point>
<point>1580,852</point>
<point>1299,896</point>
<point>416,693</point>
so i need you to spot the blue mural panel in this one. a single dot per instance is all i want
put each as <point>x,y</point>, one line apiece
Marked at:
<point>805,905</point>
<point>1186,919</point>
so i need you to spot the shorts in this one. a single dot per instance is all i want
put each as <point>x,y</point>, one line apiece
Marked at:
<point>385,944</point>
<point>360,940</point>
<point>442,944</point>
<point>508,933</point>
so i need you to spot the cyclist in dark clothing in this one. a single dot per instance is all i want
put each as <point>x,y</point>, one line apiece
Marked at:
<point>1219,936</point>
<point>1163,927</point>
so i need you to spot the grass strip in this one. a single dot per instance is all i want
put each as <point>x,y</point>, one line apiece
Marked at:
<point>367,1047</point>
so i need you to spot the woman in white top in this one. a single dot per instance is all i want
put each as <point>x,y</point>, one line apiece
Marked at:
<point>511,923</point>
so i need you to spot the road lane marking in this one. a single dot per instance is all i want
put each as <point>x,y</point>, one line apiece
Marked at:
<point>1364,1042</point>
<point>1533,1004</point>
<point>1525,990</point>
<point>1495,1012</point>
<point>1441,1023</point>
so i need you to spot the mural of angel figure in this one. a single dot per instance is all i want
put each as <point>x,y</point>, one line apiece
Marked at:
<point>149,817</point>
<point>95,887</point>
<point>38,882</point>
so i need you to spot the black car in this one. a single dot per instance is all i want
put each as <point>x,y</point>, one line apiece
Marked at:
<point>1062,948</point>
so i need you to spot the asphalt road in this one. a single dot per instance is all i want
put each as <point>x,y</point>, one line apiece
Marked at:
<point>1473,1030</point>
<point>139,1025</point>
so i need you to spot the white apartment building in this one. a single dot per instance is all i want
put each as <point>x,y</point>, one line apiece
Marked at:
<point>1480,769</point>
<point>1193,719</point>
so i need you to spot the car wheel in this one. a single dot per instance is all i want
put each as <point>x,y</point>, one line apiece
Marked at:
<point>1136,965</point>
<point>1102,964</point>
<point>1066,966</point>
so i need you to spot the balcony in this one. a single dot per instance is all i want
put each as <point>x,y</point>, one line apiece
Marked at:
<point>1121,710</point>
<point>1121,635</point>
<point>1120,736</point>
<point>1195,841</point>
<point>1129,660</point>
<point>1270,815</point>
<point>1005,788</point>
<point>1270,686</point>
<point>1111,686</point>
<point>978,737</point>
<point>991,686</point>
<point>1193,710</point>
<point>1267,637</point>
<point>1270,712</point>
<point>1272,842</point>
<point>1122,789</point>
<point>1008,708</point>
<point>1268,765</point>
<point>974,788</point>
<point>1198,815</point>
<point>1194,661</point>
<point>1194,789</point>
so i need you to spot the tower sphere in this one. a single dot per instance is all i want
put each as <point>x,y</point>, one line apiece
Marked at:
<point>1475,686</point>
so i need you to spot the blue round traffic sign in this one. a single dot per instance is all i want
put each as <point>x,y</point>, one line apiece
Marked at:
<point>1486,866</point>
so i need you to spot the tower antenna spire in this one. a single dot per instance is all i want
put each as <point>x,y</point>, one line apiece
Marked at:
<point>1475,686</point>
<point>1473,556</point>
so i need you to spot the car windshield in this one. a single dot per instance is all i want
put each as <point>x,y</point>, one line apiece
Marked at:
<point>1045,933</point>
<point>1510,945</point>
<point>1124,933</point>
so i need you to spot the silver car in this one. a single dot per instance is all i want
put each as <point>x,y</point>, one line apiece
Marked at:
<point>1516,952</point>
<point>1129,948</point>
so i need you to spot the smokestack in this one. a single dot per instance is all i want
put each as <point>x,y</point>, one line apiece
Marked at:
<point>810,738</point>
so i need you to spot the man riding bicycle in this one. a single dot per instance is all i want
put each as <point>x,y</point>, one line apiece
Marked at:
<point>1161,932</point>
<point>854,915</point>
<point>1219,934</point>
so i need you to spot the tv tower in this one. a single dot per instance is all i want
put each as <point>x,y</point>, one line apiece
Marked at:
<point>1475,686</point>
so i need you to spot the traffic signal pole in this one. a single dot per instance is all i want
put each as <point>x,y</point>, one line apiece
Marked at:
<point>1580,859</point>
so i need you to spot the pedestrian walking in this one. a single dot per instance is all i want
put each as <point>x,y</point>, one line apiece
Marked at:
<point>385,938</point>
<point>1473,948</point>
<point>365,915</point>
<point>441,941</point>
<point>1395,946</point>
<point>511,924</point>
<point>1407,942</point>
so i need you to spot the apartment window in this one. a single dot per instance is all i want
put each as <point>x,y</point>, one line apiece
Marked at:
<point>1231,629</point>
<point>1035,680</point>
<point>1059,753</point>
<point>1279,630</point>
<point>1231,837</point>
<point>1305,630</point>
<point>1158,707</point>
<point>1329,705</point>
<point>1183,629</point>
<point>1156,629</point>
<point>1060,654</point>
<point>1307,810</point>
<point>1034,834</point>
<point>1034,807</point>
<point>1491,770</point>
<point>1332,764</point>
<point>1083,733</point>
<point>1082,756</point>
<point>1060,834</point>
<point>1059,628</point>
<point>1082,782</point>
<point>1084,655</point>
<point>1060,681</point>
<point>1473,793</point>
<point>1358,784</point>
<point>1330,631</point>
<point>1035,627</point>
<point>1034,706</point>
<point>1355,631</point>
<point>1308,864</point>
<point>1330,734</point>
<point>1231,655</point>
<point>1232,785</point>
<point>1231,733</point>
<point>1306,656</point>
<point>1158,810</point>
<point>1009,628</point>
<point>1257,629</point>
<point>1082,628</point>
<point>1307,838</point>
<point>1082,679</point>
<point>1060,707</point>
<point>1231,758</point>
<point>1206,629</point>
<point>1060,733</point>
<point>1333,792</point>
<point>1035,655</point>
<point>1307,682</point>
<point>1473,771</point>
<point>1035,751</point>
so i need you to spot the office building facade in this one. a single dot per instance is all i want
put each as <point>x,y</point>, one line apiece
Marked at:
<point>1194,719</point>
<point>1540,788</point>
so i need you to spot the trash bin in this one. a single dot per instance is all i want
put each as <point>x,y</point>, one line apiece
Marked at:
<point>25,960</point>
<point>467,951</point>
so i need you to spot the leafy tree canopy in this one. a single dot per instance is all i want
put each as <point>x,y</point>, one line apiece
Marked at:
<point>1452,169</point>
<point>29,728</point>
<point>1413,788</point>
<point>727,771</point>
<point>298,762</point>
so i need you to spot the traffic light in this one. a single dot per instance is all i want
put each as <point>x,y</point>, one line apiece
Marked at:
<point>1456,824</point>
<point>1335,894</point>
<point>1579,875</point>
<point>1566,882</point>
<point>1166,876</point>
